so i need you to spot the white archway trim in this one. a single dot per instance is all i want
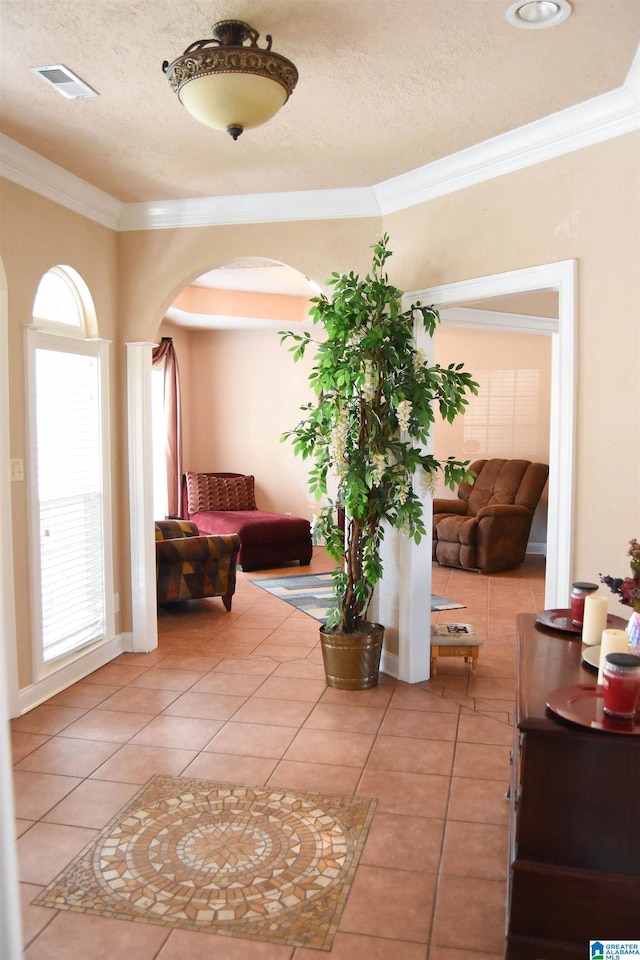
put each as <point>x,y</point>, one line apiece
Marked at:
<point>415,562</point>
<point>143,563</point>
<point>10,923</point>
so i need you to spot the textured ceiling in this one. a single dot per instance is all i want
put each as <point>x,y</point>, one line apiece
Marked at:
<point>385,86</point>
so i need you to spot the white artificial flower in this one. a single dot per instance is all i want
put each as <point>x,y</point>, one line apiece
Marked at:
<point>379,466</point>
<point>404,414</point>
<point>369,385</point>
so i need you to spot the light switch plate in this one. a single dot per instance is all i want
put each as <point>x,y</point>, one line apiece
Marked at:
<point>17,470</point>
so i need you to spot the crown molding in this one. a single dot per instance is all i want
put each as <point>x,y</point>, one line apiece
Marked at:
<point>251,208</point>
<point>585,124</point>
<point>602,118</point>
<point>35,173</point>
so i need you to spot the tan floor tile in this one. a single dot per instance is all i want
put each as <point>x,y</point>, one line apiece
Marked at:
<point>140,659</point>
<point>419,723</point>
<point>403,904</point>
<point>288,636</point>
<point>412,794</point>
<point>22,826</point>
<point>254,649</point>
<point>372,697</point>
<point>63,755</point>
<point>160,679</point>
<point>142,701</point>
<point>256,666</point>
<point>77,936</point>
<point>231,684</point>
<point>340,717</point>
<point>83,694</point>
<point>189,733</point>
<point>331,746</point>
<point>46,719</point>
<point>407,843</point>
<point>475,728</point>
<point>116,676</point>
<point>136,763</point>
<point>321,777</point>
<point>486,761</point>
<point>36,793</point>
<point>492,688</point>
<point>412,754</point>
<point>475,850</point>
<point>453,953</point>
<point>352,946</point>
<point>92,804</point>
<point>478,801</point>
<point>186,661</point>
<point>107,725</point>
<point>283,713</point>
<point>420,697</point>
<point>184,945</point>
<point>47,848</point>
<point>484,914</point>
<point>209,706</point>
<point>282,652</point>
<point>34,919</point>
<point>308,669</point>
<point>220,650</point>
<point>231,768</point>
<point>245,635</point>
<point>22,744</point>
<point>252,740</point>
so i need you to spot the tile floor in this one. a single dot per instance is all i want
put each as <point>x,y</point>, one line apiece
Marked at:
<point>241,697</point>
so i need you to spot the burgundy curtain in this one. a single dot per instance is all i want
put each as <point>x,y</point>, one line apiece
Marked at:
<point>165,355</point>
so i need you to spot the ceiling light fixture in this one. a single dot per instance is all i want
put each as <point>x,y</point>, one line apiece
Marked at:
<point>537,14</point>
<point>227,85</point>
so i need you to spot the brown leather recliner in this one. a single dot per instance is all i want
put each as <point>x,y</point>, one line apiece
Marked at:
<point>487,527</point>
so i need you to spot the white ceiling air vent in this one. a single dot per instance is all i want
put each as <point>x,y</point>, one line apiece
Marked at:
<point>64,81</point>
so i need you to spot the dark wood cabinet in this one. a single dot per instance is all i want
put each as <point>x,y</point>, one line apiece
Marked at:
<point>575,814</point>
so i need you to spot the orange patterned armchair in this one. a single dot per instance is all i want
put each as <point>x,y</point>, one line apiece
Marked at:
<point>190,566</point>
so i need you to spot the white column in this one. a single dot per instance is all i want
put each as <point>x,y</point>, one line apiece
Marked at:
<point>142,540</point>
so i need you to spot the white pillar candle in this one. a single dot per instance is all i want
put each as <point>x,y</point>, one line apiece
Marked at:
<point>613,641</point>
<point>595,619</point>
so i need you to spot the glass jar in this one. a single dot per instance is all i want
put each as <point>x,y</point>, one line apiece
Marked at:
<point>621,685</point>
<point>579,591</point>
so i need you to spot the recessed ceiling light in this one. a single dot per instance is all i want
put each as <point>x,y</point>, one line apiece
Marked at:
<point>537,14</point>
<point>64,81</point>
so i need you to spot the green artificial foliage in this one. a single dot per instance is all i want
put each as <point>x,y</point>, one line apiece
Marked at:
<point>370,425</point>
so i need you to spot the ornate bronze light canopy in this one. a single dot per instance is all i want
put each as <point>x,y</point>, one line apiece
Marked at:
<point>228,85</point>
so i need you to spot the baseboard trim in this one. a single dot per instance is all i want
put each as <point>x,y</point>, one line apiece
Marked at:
<point>537,549</point>
<point>390,664</point>
<point>42,690</point>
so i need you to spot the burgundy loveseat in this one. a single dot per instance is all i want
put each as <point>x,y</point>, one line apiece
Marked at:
<point>220,503</point>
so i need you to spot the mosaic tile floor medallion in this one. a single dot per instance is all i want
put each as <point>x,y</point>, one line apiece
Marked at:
<point>253,862</point>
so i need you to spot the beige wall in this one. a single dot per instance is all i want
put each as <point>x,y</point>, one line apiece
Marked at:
<point>36,235</point>
<point>583,206</point>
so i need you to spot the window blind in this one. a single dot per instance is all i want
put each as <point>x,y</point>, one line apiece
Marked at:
<point>70,498</point>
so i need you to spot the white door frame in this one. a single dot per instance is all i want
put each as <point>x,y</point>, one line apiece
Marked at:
<point>413,659</point>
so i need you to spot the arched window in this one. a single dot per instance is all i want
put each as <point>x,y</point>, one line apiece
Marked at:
<point>68,403</point>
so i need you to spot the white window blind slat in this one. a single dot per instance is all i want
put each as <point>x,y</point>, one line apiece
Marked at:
<point>69,492</point>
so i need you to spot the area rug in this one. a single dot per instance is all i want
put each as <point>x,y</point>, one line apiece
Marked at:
<point>311,592</point>
<point>253,862</point>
